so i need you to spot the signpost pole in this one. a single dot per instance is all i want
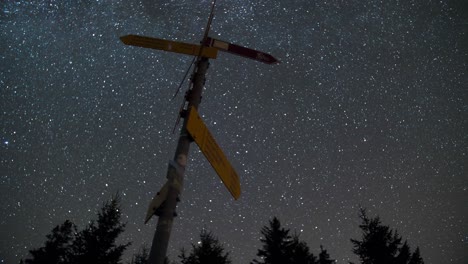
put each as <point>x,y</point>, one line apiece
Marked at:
<point>175,173</point>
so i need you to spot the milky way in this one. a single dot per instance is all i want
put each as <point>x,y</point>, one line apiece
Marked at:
<point>369,107</point>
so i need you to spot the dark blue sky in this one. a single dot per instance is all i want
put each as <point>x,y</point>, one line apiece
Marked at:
<point>369,107</point>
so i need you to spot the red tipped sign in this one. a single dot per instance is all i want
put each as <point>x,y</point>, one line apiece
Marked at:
<point>241,51</point>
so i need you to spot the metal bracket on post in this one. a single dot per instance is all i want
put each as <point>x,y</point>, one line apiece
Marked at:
<point>157,203</point>
<point>178,168</point>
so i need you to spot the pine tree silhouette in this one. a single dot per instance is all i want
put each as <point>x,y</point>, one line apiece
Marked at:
<point>324,257</point>
<point>416,257</point>
<point>380,244</point>
<point>141,257</point>
<point>57,248</point>
<point>97,243</point>
<point>279,247</point>
<point>209,250</point>
<point>404,255</point>
<point>276,244</point>
<point>300,253</point>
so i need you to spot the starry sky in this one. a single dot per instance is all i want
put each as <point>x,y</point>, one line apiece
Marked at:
<point>369,107</point>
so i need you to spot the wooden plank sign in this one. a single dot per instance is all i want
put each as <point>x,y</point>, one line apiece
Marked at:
<point>168,45</point>
<point>241,51</point>
<point>213,153</point>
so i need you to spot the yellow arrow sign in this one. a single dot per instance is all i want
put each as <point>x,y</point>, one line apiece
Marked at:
<point>213,153</point>
<point>167,45</point>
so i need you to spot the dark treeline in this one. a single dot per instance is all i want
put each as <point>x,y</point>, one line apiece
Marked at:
<point>96,243</point>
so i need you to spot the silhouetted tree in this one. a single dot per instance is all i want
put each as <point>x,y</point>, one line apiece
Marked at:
<point>141,257</point>
<point>276,244</point>
<point>416,257</point>
<point>209,250</point>
<point>379,244</point>
<point>300,253</point>
<point>97,242</point>
<point>324,257</point>
<point>404,255</point>
<point>57,248</point>
<point>279,247</point>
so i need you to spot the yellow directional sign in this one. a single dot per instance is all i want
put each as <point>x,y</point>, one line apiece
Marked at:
<point>167,45</point>
<point>207,144</point>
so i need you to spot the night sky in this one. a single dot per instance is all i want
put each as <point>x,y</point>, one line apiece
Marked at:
<point>369,108</point>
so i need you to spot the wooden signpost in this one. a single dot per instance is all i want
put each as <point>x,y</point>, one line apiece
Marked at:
<point>193,129</point>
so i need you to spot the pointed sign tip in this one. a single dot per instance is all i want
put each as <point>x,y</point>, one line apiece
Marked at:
<point>125,39</point>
